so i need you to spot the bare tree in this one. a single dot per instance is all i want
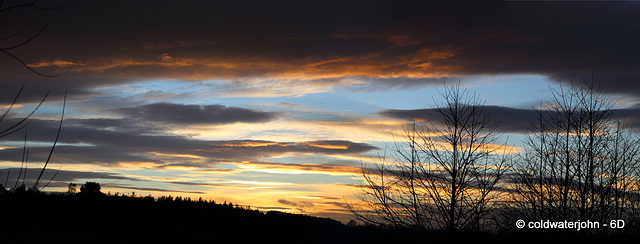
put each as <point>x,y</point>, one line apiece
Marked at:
<point>17,40</point>
<point>444,176</point>
<point>392,194</point>
<point>22,124</point>
<point>580,160</point>
<point>18,37</point>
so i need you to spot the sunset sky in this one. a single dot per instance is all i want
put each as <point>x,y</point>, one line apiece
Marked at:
<point>278,104</point>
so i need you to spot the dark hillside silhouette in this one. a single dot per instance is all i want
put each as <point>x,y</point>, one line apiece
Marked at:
<point>37,217</point>
<point>94,217</point>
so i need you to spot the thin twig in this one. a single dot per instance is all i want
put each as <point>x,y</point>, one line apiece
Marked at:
<point>32,5</point>
<point>6,131</point>
<point>52,177</point>
<point>64,105</point>
<point>12,35</point>
<point>13,103</point>
<point>5,49</point>
<point>24,152</point>
<point>26,65</point>
<point>26,41</point>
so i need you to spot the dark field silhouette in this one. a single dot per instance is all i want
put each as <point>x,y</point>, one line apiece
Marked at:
<point>93,217</point>
<point>90,216</point>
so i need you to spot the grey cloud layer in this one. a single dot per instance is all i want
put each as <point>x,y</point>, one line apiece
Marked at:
<point>195,114</point>
<point>95,141</point>
<point>510,120</point>
<point>62,177</point>
<point>107,43</point>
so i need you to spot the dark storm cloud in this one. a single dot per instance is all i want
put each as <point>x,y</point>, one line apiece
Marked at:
<point>195,114</point>
<point>401,43</point>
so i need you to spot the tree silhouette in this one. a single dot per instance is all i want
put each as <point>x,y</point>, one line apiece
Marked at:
<point>91,188</point>
<point>72,188</point>
<point>580,160</point>
<point>444,175</point>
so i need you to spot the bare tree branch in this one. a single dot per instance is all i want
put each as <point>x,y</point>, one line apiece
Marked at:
<point>5,50</point>
<point>53,147</point>
<point>443,175</point>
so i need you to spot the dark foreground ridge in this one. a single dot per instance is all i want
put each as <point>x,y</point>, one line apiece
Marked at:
<point>36,217</point>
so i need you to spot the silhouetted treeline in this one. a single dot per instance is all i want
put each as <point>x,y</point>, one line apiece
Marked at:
<point>31,216</point>
<point>91,216</point>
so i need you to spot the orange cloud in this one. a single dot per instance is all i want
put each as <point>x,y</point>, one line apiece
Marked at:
<point>418,64</point>
<point>284,168</point>
<point>326,145</point>
<point>9,106</point>
<point>50,63</point>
